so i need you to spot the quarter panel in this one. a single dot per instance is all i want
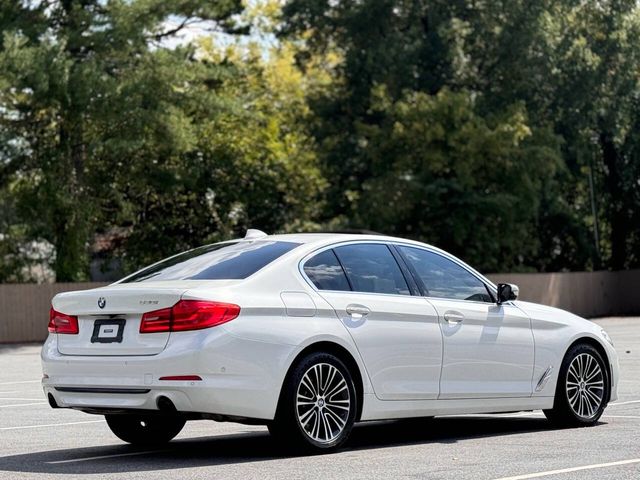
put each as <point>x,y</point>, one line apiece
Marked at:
<point>554,330</point>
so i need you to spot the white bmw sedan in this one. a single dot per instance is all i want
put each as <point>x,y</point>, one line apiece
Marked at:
<point>311,333</point>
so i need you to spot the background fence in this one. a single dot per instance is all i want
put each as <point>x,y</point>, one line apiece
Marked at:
<point>24,308</point>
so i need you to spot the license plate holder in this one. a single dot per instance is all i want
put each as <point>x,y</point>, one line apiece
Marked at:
<point>108,330</point>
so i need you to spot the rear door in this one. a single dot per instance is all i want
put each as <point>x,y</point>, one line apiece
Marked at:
<point>488,348</point>
<point>396,334</point>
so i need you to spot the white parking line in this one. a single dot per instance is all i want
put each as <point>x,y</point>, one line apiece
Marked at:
<point>621,416</point>
<point>101,457</point>
<point>573,469</point>
<point>21,398</point>
<point>23,404</point>
<point>616,404</point>
<point>50,425</point>
<point>17,383</point>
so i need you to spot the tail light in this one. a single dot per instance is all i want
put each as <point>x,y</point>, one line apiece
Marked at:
<point>188,315</point>
<point>62,323</point>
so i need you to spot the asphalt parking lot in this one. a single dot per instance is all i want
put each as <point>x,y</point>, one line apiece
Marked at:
<point>36,441</point>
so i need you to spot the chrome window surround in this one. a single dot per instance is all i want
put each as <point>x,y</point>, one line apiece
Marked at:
<point>490,285</point>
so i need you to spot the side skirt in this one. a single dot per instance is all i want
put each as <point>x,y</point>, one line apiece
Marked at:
<point>374,409</point>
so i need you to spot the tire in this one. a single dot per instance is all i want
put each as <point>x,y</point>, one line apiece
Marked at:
<point>145,429</point>
<point>583,388</point>
<point>317,407</point>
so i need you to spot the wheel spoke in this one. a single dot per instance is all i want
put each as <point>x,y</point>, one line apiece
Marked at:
<point>306,397</point>
<point>572,399</point>
<point>331,405</point>
<point>589,405</point>
<point>341,386</point>
<point>304,419</point>
<point>341,422</point>
<point>331,422</point>
<point>592,396</point>
<point>327,431</point>
<point>597,372</point>
<point>330,377</point>
<point>318,372</point>
<point>593,370</point>
<point>316,425</point>
<point>309,386</point>
<point>587,366</point>
<point>574,372</point>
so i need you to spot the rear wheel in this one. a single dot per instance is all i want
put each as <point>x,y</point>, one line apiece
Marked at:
<point>318,404</point>
<point>582,392</point>
<point>145,429</point>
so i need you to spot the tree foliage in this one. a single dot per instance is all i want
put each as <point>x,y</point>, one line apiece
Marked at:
<point>570,69</point>
<point>503,131</point>
<point>110,126</point>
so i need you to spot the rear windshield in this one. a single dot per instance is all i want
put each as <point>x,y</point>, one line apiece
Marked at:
<point>220,261</point>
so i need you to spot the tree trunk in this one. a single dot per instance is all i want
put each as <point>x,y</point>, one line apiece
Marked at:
<point>72,217</point>
<point>618,221</point>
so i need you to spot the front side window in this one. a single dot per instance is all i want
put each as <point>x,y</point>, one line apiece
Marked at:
<point>220,261</point>
<point>326,273</point>
<point>371,268</point>
<point>443,278</point>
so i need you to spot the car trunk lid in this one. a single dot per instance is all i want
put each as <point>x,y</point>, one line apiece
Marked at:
<point>109,317</point>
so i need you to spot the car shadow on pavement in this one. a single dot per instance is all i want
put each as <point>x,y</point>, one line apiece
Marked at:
<point>259,446</point>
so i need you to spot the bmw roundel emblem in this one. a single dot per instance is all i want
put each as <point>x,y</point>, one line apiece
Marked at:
<point>102,302</point>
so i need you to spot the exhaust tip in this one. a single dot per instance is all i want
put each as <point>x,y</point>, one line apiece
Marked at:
<point>165,405</point>
<point>52,401</point>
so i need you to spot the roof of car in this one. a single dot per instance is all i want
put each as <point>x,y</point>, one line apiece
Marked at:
<point>321,238</point>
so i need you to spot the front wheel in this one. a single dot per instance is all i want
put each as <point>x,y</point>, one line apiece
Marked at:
<point>145,429</point>
<point>582,392</point>
<point>318,404</point>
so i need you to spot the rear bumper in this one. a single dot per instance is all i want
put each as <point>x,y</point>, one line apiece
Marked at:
<point>240,378</point>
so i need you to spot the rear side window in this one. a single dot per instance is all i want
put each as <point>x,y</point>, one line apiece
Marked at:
<point>326,273</point>
<point>371,268</point>
<point>443,278</point>
<point>220,261</point>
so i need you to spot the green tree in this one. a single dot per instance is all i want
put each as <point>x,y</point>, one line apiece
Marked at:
<point>83,91</point>
<point>116,124</point>
<point>597,109</point>
<point>445,65</point>
<point>569,67</point>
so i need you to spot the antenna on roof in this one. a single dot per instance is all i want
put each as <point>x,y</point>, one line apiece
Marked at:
<point>253,234</point>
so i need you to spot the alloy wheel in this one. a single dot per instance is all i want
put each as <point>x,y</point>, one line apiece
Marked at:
<point>585,385</point>
<point>323,402</point>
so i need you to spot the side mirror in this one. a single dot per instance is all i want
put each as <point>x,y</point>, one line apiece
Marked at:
<point>506,292</point>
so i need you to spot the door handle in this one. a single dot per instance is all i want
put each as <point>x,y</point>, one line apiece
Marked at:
<point>453,317</point>
<point>357,310</point>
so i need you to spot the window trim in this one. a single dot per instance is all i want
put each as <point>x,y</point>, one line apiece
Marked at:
<point>491,289</point>
<point>332,246</point>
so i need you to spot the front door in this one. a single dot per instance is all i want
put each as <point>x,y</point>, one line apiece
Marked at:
<point>488,349</point>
